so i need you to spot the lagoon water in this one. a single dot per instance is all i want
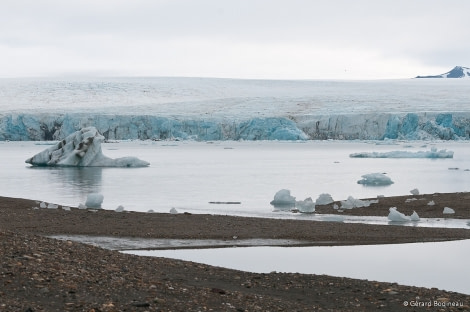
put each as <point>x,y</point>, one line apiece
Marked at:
<point>187,175</point>
<point>443,265</point>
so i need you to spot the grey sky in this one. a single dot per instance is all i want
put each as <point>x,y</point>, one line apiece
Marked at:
<point>302,39</point>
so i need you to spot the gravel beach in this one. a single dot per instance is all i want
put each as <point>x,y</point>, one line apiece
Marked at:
<point>38,273</point>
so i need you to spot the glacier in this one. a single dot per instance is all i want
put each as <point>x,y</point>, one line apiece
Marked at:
<point>362,126</point>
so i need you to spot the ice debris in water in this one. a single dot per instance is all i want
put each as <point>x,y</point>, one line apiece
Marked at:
<point>414,191</point>
<point>120,208</point>
<point>283,198</point>
<point>81,148</point>
<point>94,200</point>
<point>52,206</point>
<point>375,179</point>
<point>448,210</point>
<point>433,153</point>
<point>306,206</point>
<point>352,202</point>
<point>396,216</point>
<point>414,216</point>
<point>324,199</point>
<point>173,210</point>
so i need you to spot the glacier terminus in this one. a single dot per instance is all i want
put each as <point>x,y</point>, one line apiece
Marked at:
<point>234,109</point>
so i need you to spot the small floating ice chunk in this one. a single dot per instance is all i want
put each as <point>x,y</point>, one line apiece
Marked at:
<point>120,208</point>
<point>283,198</point>
<point>375,179</point>
<point>305,206</point>
<point>150,211</point>
<point>94,200</point>
<point>173,210</point>
<point>414,217</point>
<point>43,205</point>
<point>448,210</point>
<point>324,199</point>
<point>352,202</point>
<point>414,191</point>
<point>52,206</point>
<point>396,216</point>
<point>431,203</point>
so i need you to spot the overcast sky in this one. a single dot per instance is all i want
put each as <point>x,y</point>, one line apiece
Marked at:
<point>290,39</point>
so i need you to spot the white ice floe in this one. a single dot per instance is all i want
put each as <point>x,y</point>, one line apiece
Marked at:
<point>414,191</point>
<point>448,210</point>
<point>352,202</point>
<point>81,148</point>
<point>306,206</point>
<point>120,208</point>
<point>396,216</point>
<point>94,200</point>
<point>52,206</point>
<point>283,198</point>
<point>324,199</point>
<point>375,179</point>
<point>414,217</point>
<point>433,153</point>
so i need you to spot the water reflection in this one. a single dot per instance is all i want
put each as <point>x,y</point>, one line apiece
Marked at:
<point>82,180</point>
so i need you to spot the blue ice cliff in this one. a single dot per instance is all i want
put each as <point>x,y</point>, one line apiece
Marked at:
<point>373,126</point>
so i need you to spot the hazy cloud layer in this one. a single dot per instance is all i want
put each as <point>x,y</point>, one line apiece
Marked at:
<point>235,38</point>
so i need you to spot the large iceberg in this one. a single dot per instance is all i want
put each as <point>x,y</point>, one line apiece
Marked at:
<point>80,149</point>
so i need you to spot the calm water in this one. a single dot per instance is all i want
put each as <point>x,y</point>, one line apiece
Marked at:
<point>189,175</point>
<point>443,265</point>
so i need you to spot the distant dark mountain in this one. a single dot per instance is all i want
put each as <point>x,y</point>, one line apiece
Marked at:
<point>456,72</point>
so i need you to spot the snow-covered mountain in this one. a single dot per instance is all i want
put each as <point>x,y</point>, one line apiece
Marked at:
<point>456,72</point>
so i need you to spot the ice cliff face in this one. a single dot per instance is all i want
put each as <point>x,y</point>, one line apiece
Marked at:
<point>411,126</point>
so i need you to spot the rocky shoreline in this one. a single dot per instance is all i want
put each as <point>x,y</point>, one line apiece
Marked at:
<point>38,273</point>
